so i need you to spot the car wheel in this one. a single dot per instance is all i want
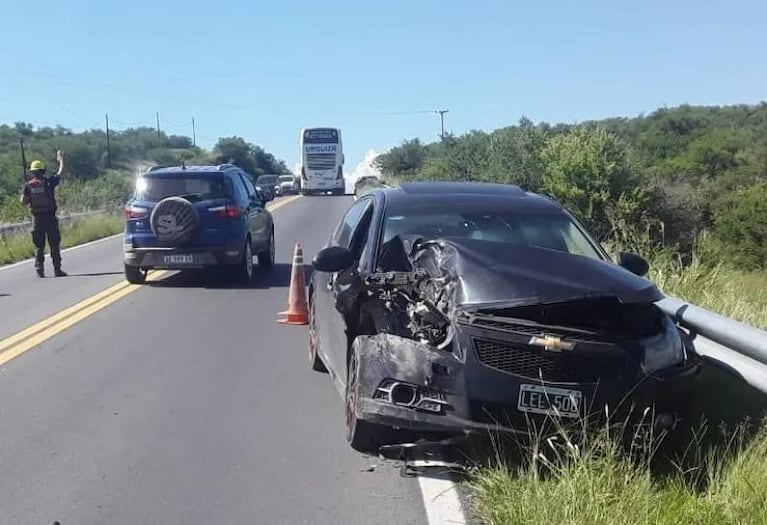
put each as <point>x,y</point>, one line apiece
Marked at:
<point>314,356</point>
<point>362,436</point>
<point>135,275</point>
<point>244,272</point>
<point>266,258</point>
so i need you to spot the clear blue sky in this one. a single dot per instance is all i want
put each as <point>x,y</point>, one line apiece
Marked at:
<point>264,69</point>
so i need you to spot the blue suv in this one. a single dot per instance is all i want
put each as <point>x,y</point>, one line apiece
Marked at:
<point>197,217</point>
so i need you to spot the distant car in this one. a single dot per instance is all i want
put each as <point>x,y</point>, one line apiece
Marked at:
<point>266,184</point>
<point>286,185</point>
<point>455,308</point>
<point>197,217</point>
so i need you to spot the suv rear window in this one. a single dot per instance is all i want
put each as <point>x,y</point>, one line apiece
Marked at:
<point>266,179</point>
<point>192,186</point>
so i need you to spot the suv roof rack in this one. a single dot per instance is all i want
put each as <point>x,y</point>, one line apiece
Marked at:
<point>227,166</point>
<point>158,167</point>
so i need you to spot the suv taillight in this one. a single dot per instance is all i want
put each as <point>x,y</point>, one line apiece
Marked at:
<point>228,211</point>
<point>340,173</point>
<point>135,212</point>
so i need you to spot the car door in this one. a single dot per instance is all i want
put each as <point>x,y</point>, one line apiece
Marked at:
<point>336,292</point>
<point>258,218</point>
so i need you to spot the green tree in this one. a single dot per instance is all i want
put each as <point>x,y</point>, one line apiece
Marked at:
<point>589,171</point>
<point>740,229</point>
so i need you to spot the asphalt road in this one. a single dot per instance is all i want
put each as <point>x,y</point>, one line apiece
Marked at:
<point>182,402</point>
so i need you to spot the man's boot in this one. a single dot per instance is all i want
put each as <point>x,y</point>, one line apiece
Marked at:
<point>39,264</point>
<point>58,272</point>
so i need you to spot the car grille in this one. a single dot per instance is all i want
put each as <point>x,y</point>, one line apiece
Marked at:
<point>321,161</point>
<point>538,364</point>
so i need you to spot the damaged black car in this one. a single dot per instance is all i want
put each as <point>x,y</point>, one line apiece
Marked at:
<point>455,308</point>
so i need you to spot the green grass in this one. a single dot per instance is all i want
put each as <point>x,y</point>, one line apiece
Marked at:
<point>732,293</point>
<point>18,246</point>
<point>596,483</point>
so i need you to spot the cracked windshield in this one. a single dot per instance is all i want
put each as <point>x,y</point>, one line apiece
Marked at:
<point>410,262</point>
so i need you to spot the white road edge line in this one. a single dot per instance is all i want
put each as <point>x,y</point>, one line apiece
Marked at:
<point>70,249</point>
<point>440,499</point>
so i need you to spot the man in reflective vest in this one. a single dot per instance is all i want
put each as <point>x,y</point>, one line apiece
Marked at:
<point>39,194</point>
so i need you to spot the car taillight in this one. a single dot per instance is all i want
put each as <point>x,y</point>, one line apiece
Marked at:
<point>228,211</point>
<point>340,173</point>
<point>135,212</point>
<point>303,173</point>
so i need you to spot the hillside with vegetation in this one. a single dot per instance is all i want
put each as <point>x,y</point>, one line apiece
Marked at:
<point>100,175</point>
<point>690,179</point>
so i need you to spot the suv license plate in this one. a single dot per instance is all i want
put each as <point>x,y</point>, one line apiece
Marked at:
<point>178,259</point>
<point>550,401</point>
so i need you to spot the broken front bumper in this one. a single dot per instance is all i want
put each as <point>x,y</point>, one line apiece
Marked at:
<point>438,392</point>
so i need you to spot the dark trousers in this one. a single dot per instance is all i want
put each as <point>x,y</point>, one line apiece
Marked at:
<point>46,226</point>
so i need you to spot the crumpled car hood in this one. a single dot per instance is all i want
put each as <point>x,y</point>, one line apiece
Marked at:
<point>495,274</point>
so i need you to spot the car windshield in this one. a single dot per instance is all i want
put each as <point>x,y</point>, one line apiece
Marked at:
<point>551,230</point>
<point>286,178</point>
<point>196,186</point>
<point>266,179</point>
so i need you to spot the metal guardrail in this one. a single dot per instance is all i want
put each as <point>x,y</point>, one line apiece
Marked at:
<point>6,229</point>
<point>740,348</point>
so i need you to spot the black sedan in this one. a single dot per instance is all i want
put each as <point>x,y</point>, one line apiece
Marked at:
<point>453,308</point>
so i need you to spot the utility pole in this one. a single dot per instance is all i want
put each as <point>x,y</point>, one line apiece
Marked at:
<point>109,147</point>
<point>159,139</point>
<point>23,158</point>
<point>194,134</point>
<point>442,122</point>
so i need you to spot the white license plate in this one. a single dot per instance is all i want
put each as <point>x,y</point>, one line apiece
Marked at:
<point>551,401</point>
<point>178,259</point>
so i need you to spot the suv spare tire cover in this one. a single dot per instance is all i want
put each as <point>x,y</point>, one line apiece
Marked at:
<point>174,220</point>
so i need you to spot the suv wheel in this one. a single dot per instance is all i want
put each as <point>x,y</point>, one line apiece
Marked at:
<point>266,258</point>
<point>135,275</point>
<point>245,269</point>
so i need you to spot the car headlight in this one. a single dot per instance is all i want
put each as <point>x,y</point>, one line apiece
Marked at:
<point>663,350</point>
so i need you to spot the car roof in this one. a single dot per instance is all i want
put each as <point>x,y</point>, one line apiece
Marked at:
<point>175,170</point>
<point>460,192</point>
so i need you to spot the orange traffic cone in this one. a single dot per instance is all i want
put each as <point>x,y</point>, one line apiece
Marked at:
<point>297,312</point>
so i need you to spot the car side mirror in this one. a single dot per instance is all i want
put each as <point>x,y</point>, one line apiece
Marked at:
<point>265,195</point>
<point>634,263</point>
<point>333,259</point>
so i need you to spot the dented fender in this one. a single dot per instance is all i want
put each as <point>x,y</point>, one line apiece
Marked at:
<point>386,356</point>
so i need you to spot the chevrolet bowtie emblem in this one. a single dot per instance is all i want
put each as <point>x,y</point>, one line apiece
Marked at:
<point>552,344</point>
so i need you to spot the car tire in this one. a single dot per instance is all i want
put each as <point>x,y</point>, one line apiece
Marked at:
<point>244,272</point>
<point>266,258</point>
<point>362,436</point>
<point>314,357</point>
<point>135,275</point>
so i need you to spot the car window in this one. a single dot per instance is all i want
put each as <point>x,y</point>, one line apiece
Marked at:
<point>534,228</point>
<point>249,187</point>
<point>192,186</point>
<point>348,225</point>
<point>361,232</point>
<point>266,180</point>
<point>241,192</point>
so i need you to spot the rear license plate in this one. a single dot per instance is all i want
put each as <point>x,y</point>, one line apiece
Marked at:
<point>547,400</point>
<point>178,259</point>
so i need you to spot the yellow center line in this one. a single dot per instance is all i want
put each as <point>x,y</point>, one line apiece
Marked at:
<point>28,338</point>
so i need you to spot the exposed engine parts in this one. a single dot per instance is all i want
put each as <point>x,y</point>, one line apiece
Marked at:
<point>409,306</point>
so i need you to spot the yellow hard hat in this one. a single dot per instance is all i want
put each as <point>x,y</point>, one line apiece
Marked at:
<point>37,165</point>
